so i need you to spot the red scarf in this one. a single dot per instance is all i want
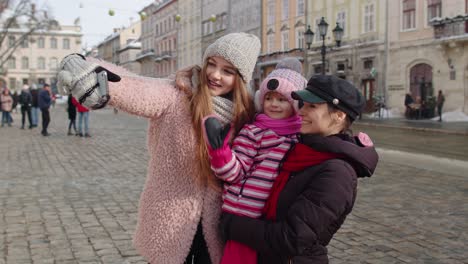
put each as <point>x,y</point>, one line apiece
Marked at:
<point>298,159</point>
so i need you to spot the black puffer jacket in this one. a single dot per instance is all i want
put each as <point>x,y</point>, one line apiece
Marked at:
<point>311,208</point>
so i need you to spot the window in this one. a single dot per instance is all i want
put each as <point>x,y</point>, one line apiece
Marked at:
<point>12,82</point>
<point>369,24</point>
<point>11,41</point>
<point>285,11</point>
<point>53,63</point>
<point>368,64</point>
<point>40,43</point>
<point>41,63</point>
<point>24,63</point>
<point>434,9</point>
<point>11,64</point>
<point>53,43</point>
<point>270,43</point>
<point>271,12</point>
<point>25,43</point>
<point>317,31</point>
<point>341,20</point>
<point>285,40</point>
<point>66,44</point>
<point>300,38</point>
<point>409,14</point>
<point>300,8</point>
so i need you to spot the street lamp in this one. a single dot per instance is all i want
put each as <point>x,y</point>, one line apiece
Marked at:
<point>323,28</point>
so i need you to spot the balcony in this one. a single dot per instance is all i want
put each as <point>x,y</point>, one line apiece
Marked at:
<point>450,28</point>
<point>165,55</point>
<point>149,53</point>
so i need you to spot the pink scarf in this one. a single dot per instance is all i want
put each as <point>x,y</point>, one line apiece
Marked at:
<point>282,127</point>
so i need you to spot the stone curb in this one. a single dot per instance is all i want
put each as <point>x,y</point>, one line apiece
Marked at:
<point>425,129</point>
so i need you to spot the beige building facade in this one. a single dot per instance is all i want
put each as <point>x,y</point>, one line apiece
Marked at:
<point>428,53</point>
<point>37,59</point>
<point>283,24</point>
<point>360,58</point>
<point>189,33</point>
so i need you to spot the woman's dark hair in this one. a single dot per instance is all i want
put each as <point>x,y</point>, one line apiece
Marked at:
<point>348,121</point>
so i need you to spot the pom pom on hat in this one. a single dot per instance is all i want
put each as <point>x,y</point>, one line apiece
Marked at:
<point>284,79</point>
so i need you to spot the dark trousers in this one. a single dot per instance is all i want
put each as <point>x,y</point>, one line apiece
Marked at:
<point>198,251</point>
<point>45,119</point>
<point>25,110</point>
<point>439,111</point>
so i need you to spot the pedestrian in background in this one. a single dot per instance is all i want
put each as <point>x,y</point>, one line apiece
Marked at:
<point>35,105</point>
<point>317,183</point>
<point>44,102</point>
<point>25,100</point>
<point>83,118</point>
<point>180,204</point>
<point>440,104</point>
<point>15,102</point>
<point>7,106</point>
<point>71,109</point>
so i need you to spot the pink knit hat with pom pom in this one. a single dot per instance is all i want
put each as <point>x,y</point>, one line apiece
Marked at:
<point>284,79</point>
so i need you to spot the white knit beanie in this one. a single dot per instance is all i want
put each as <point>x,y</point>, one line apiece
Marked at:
<point>240,49</point>
<point>284,79</point>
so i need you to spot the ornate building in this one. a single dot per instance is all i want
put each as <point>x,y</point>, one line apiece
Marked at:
<point>36,60</point>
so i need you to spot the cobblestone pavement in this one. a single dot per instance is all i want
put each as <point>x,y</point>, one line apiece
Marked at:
<point>65,199</point>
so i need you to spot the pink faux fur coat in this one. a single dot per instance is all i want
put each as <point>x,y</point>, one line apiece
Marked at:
<point>171,204</point>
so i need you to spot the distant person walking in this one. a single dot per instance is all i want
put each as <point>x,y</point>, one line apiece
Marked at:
<point>44,101</point>
<point>440,104</point>
<point>25,100</point>
<point>35,105</point>
<point>7,106</point>
<point>15,101</point>
<point>71,109</point>
<point>83,117</point>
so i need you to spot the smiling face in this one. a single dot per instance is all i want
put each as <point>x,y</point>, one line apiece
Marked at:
<point>277,106</point>
<point>220,75</point>
<point>317,119</point>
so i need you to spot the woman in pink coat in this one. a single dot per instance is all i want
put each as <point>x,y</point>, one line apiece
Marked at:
<point>7,105</point>
<point>181,201</point>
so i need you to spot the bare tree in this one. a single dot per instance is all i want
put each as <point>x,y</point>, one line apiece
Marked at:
<point>18,20</point>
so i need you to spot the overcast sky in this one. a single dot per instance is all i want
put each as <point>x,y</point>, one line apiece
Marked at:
<point>96,23</point>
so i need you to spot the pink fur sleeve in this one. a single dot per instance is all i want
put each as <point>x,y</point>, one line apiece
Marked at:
<point>139,95</point>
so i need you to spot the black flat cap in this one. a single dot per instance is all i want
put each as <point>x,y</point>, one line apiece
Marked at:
<point>336,91</point>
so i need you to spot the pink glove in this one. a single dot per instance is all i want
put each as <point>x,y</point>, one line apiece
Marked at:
<point>217,140</point>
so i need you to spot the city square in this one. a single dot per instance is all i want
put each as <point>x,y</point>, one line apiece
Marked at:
<point>68,199</point>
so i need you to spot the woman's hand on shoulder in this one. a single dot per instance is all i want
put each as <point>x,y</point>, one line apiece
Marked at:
<point>187,78</point>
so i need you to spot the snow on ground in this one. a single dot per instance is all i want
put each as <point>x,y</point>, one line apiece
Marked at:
<point>454,116</point>
<point>386,113</point>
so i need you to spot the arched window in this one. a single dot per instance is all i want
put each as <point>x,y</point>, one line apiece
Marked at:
<point>11,63</point>
<point>53,65</point>
<point>66,43</point>
<point>41,63</point>
<point>40,43</point>
<point>53,43</point>
<point>24,63</point>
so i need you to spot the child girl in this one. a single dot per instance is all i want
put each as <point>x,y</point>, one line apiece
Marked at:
<point>250,169</point>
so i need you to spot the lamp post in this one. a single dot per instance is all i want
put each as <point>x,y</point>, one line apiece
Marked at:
<point>323,28</point>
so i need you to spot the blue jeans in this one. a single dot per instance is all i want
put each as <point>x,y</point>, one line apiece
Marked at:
<point>34,115</point>
<point>6,118</point>
<point>81,116</point>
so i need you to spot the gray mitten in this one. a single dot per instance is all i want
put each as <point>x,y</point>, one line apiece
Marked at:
<point>86,81</point>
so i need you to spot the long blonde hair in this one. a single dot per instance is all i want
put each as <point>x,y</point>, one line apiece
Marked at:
<point>201,106</point>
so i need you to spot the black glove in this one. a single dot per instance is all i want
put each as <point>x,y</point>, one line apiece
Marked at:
<point>215,132</point>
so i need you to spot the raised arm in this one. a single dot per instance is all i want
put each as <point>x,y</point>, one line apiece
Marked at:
<point>87,79</point>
